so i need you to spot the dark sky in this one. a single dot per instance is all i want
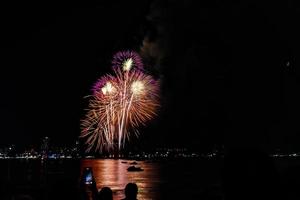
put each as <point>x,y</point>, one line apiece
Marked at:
<point>228,69</point>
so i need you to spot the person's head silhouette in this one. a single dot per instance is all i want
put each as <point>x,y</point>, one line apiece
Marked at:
<point>131,191</point>
<point>105,194</point>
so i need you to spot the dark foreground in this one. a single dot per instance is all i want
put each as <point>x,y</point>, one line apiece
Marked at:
<point>173,179</point>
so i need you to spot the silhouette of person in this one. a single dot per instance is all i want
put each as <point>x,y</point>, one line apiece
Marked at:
<point>131,191</point>
<point>249,174</point>
<point>88,186</point>
<point>105,194</point>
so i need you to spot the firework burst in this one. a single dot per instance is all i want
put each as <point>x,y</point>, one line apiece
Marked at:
<point>126,60</point>
<point>120,104</point>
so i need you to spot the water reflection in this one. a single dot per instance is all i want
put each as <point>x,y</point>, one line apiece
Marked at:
<point>113,173</point>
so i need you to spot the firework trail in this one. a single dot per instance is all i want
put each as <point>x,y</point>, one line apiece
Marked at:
<point>119,104</point>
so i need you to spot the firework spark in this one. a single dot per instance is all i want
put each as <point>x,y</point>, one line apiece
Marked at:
<point>124,59</point>
<point>120,104</point>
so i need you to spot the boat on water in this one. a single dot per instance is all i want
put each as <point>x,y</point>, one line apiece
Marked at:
<point>134,169</point>
<point>133,163</point>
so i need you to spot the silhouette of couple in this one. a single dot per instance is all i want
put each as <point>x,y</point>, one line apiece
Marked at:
<point>131,191</point>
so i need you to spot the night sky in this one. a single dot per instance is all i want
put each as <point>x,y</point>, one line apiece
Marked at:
<point>227,69</point>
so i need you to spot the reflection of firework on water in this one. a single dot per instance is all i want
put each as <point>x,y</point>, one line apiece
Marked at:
<point>119,104</point>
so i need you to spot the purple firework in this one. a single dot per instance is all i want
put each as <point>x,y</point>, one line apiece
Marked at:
<point>100,83</point>
<point>123,56</point>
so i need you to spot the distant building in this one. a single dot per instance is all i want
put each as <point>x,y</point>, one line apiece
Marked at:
<point>45,147</point>
<point>76,149</point>
<point>11,151</point>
